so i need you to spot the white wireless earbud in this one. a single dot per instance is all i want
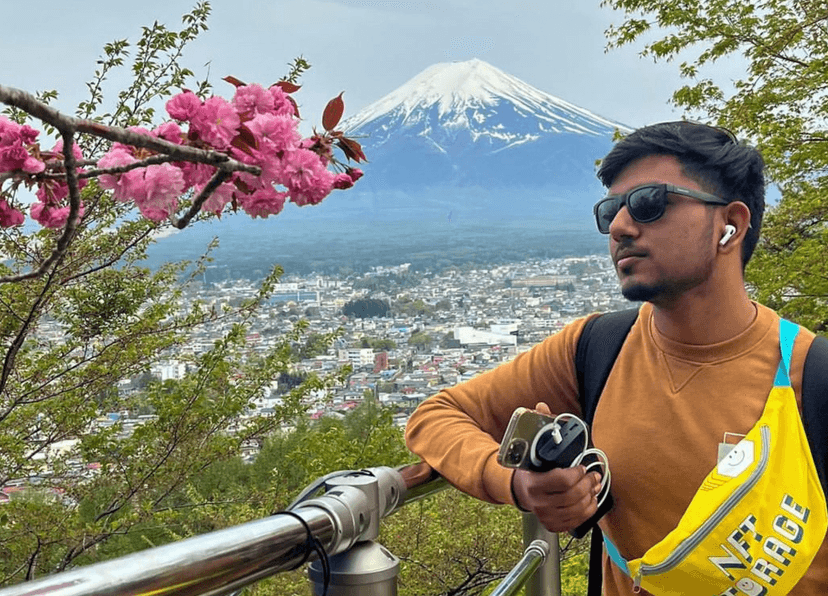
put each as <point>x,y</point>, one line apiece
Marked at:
<point>729,231</point>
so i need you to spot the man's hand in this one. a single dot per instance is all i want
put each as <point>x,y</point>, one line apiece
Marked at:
<point>562,499</point>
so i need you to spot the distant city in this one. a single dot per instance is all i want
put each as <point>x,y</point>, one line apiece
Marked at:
<point>444,326</point>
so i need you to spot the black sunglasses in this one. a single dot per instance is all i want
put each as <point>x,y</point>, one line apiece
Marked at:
<point>645,203</point>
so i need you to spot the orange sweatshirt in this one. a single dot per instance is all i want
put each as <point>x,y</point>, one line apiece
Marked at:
<point>663,413</point>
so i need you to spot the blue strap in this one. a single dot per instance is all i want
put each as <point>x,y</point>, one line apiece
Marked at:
<point>615,556</point>
<point>787,335</point>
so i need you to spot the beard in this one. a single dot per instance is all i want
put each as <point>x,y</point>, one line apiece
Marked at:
<point>643,293</point>
<point>665,292</point>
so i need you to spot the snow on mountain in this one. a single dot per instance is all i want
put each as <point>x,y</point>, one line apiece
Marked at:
<point>466,163</point>
<point>473,97</point>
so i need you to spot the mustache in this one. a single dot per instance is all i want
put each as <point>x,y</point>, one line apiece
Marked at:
<point>627,248</point>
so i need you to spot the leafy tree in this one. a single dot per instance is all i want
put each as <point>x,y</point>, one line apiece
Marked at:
<point>420,340</point>
<point>407,306</point>
<point>378,344</point>
<point>779,103</point>
<point>78,313</point>
<point>315,344</point>
<point>366,308</point>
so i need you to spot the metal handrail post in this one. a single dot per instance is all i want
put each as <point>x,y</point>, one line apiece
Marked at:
<point>533,558</point>
<point>546,581</point>
<point>223,561</point>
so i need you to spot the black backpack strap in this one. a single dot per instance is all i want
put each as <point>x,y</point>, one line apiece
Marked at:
<point>815,405</point>
<point>598,347</point>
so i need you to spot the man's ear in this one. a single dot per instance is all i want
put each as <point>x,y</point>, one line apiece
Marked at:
<point>735,214</point>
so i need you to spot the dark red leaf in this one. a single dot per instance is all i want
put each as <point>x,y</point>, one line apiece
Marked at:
<point>234,81</point>
<point>242,186</point>
<point>247,136</point>
<point>288,87</point>
<point>295,106</point>
<point>238,143</point>
<point>351,149</point>
<point>333,112</point>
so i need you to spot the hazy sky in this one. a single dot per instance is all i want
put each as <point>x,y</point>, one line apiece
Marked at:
<point>366,48</point>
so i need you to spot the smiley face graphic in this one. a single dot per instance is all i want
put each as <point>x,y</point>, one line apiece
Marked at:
<point>737,460</point>
<point>750,587</point>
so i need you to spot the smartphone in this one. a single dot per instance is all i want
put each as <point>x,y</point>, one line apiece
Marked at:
<point>524,425</point>
<point>522,428</point>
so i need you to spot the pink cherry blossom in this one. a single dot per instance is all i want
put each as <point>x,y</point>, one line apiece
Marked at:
<point>10,132</point>
<point>263,202</point>
<point>307,179</point>
<point>251,100</point>
<point>115,158</point>
<point>52,191</point>
<point>184,106</point>
<point>169,131</point>
<point>16,157</point>
<point>216,123</point>
<point>219,199</point>
<point>281,103</point>
<point>275,133</point>
<point>343,181</point>
<point>157,194</point>
<point>196,174</point>
<point>51,217</point>
<point>9,216</point>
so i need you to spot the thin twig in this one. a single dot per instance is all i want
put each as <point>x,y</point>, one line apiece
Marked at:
<point>217,180</point>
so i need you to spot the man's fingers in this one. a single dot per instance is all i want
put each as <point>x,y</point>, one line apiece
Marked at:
<point>543,408</point>
<point>563,519</point>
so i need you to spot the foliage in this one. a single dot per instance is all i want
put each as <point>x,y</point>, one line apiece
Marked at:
<point>420,340</point>
<point>407,306</point>
<point>366,308</point>
<point>779,103</point>
<point>383,344</point>
<point>315,344</point>
<point>92,317</point>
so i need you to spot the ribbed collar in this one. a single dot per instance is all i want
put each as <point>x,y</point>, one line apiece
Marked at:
<point>766,321</point>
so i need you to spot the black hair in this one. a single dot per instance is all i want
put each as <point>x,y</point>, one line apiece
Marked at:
<point>711,156</point>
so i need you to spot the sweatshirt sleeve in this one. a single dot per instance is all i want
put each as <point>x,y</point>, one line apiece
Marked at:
<point>458,430</point>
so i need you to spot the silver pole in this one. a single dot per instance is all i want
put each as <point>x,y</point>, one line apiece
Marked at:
<point>223,561</point>
<point>533,557</point>
<point>213,563</point>
<point>547,580</point>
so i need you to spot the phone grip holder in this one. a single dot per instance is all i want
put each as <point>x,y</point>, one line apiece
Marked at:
<point>561,446</point>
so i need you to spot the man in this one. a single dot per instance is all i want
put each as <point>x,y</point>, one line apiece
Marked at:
<point>699,361</point>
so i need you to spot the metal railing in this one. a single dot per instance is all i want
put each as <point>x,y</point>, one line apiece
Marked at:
<point>345,520</point>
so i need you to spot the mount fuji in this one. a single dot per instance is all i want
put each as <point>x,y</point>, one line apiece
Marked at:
<point>466,163</point>
<point>466,138</point>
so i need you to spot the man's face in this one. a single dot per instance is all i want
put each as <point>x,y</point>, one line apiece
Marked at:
<point>662,260</point>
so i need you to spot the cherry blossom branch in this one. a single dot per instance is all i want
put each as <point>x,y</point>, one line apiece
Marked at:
<point>29,104</point>
<point>74,213</point>
<point>68,126</point>
<point>271,163</point>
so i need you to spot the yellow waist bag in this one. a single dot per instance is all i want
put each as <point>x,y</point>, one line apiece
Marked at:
<point>758,519</point>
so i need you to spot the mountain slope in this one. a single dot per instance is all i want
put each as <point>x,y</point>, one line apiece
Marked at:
<point>466,161</point>
<point>467,140</point>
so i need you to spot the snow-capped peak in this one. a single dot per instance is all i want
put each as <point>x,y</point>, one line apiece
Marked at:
<point>456,88</point>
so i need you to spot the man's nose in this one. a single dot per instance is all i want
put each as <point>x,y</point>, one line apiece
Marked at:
<point>623,225</point>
